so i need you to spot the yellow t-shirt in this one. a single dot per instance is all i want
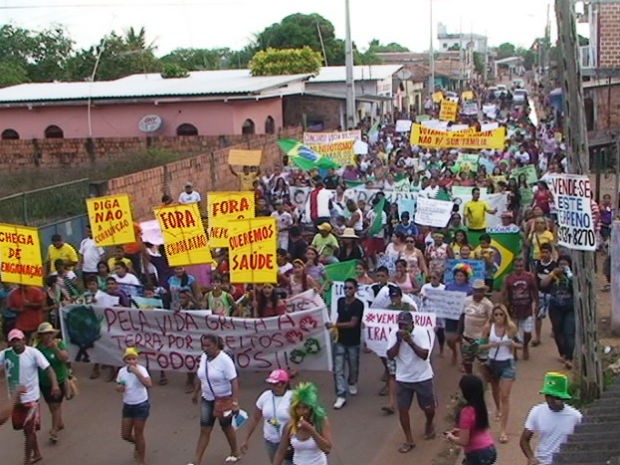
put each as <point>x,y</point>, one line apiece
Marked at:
<point>475,212</point>
<point>538,239</point>
<point>66,252</point>
<point>247,181</point>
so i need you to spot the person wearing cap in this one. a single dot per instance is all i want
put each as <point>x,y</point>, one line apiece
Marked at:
<point>21,365</point>
<point>553,420</point>
<point>326,243</point>
<point>189,195</point>
<point>55,352</point>
<point>477,310</point>
<point>347,350</point>
<point>273,407</point>
<point>507,225</point>
<point>133,381</point>
<point>410,346</point>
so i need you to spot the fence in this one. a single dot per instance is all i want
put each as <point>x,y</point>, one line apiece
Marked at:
<point>46,205</point>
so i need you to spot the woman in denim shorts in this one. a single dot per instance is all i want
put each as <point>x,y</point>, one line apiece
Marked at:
<point>501,333</point>
<point>133,380</point>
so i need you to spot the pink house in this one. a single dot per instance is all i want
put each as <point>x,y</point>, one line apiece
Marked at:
<point>207,103</point>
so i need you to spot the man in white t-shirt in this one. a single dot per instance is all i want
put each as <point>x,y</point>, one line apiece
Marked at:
<point>189,195</point>
<point>90,255</point>
<point>21,365</point>
<point>284,220</point>
<point>410,346</point>
<point>553,420</point>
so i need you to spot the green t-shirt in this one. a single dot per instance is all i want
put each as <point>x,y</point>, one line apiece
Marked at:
<point>59,367</point>
<point>325,245</point>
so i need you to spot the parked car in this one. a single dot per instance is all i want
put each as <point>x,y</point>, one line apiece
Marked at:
<point>519,96</point>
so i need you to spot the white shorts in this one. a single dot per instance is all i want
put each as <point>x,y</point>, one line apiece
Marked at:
<point>526,325</point>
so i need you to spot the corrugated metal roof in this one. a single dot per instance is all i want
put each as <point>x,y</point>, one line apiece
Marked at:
<point>360,73</point>
<point>219,82</point>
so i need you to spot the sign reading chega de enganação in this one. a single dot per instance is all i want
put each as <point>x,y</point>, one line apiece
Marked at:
<point>20,255</point>
<point>111,221</point>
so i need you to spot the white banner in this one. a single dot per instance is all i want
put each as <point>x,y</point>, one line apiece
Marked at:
<point>572,194</point>
<point>305,301</point>
<point>318,138</point>
<point>444,304</point>
<point>431,212</point>
<point>403,125</point>
<point>171,341</point>
<point>379,323</point>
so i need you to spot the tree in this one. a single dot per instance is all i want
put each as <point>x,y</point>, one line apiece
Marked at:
<point>506,50</point>
<point>377,47</point>
<point>196,58</point>
<point>301,30</point>
<point>273,62</point>
<point>172,70</point>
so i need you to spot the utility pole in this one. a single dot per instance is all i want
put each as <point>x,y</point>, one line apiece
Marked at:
<point>348,50</point>
<point>587,352</point>
<point>431,58</point>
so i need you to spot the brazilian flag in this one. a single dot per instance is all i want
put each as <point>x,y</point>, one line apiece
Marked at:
<point>507,247</point>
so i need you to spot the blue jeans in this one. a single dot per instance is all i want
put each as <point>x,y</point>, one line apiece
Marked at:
<point>272,448</point>
<point>345,354</point>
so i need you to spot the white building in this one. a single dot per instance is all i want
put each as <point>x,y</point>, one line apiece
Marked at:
<point>461,41</point>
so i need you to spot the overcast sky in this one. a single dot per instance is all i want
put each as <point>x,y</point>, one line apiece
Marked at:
<point>172,24</point>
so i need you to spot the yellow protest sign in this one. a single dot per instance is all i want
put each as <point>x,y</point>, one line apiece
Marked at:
<point>467,95</point>
<point>432,138</point>
<point>223,207</point>
<point>252,247</point>
<point>449,110</point>
<point>341,151</point>
<point>437,96</point>
<point>185,239</point>
<point>110,220</point>
<point>245,157</point>
<point>20,255</point>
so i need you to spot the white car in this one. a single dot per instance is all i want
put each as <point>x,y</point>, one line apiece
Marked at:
<point>519,96</point>
<point>500,89</point>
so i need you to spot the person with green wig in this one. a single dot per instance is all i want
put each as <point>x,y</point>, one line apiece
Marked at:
<point>307,437</point>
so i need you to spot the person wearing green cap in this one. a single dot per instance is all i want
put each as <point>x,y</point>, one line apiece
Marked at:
<point>553,420</point>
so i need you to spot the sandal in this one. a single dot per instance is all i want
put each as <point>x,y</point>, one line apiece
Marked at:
<point>535,343</point>
<point>232,459</point>
<point>406,447</point>
<point>36,459</point>
<point>163,381</point>
<point>503,438</point>
<point>430,434</point>
<point>53,438</point>
<point>388,410</point>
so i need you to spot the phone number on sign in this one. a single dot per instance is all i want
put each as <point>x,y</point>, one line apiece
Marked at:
<point>580,237</point>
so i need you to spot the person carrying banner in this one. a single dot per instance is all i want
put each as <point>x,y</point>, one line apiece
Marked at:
<point>133,381</point>
<point>21,365</point>
<point>347,349</point>
<point>553,420</point>
<point>410,347</point>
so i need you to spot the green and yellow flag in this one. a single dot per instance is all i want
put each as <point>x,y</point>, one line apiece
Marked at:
<point>507,247</point>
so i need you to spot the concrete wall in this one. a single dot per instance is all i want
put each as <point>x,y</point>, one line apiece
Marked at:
<point>330,111</point>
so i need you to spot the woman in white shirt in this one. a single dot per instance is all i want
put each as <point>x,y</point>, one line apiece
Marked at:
<point>273,407</point>
<point>308,433</point>
<point>133,380</point>
<point>220,393</point>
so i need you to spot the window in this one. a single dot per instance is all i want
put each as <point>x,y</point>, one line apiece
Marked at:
<point>10,134</point>
<point>270,125</point>
<point>54,132</point>
<point>187,129</point>
<point>248,127</point>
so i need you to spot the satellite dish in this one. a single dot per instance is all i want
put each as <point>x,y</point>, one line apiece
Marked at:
<point>150,123</point>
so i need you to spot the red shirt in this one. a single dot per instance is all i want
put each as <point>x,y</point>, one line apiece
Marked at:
<point>28,303</point>
<point>522,291</point>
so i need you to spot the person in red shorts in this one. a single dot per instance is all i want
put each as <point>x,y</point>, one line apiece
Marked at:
<point>21,365</point>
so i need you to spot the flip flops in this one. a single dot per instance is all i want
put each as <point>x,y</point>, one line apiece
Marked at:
<point>232,459</point>
<point>406,447</point>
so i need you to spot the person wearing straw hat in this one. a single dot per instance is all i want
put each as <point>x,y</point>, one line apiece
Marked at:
<point>55,352</point>
<point>133,381</point>
<point>21,365</point>
<point>553,420</point>
<point>350,249</point>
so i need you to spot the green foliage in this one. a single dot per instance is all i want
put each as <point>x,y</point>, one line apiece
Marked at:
<point>172,70</point>
<point>506,50</point>
<point>195,59</point>
<point>274,62</point>
<point>377,47</point>
<point>301,30</point>
<point>479,63</point>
